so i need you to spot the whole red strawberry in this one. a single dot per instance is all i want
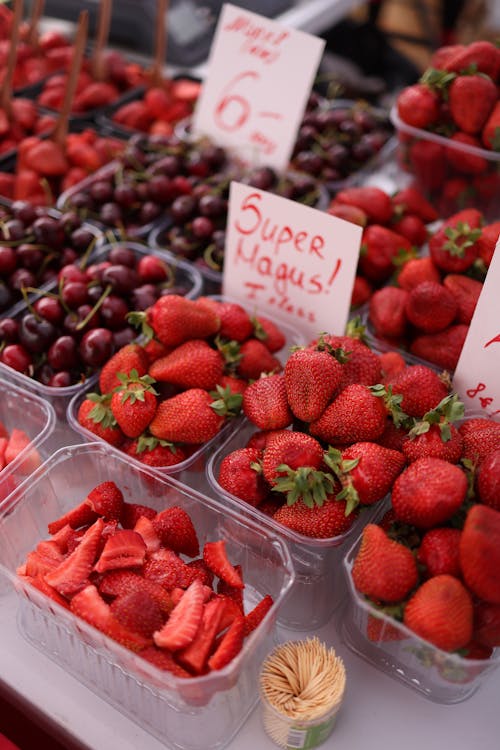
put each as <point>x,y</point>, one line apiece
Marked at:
<point>95,415</point>
<point>453,248</point>
<point>442,348</point>
<point>416,270</point>
<point>189,417</point>
<point>435,434</point>
<point>374,201</point>
<point>133,403</point>
<point>265,403</point>
<point>488,480</point>
<point>441,612</point>
<point>439,552</point>
<point>175,319</point>
<point>193,364</point>
<point>255,359</point>
<point>292,449</point>
<point>319,522</point>
<point>480,552</point>
<point>471,99</point>
<point>430,307</point>
<point>388,312</point>
<point>481,436</point>
<point>427,161</point>
<point>240,473</point>
<point>482,55</point>
<point>418,105</point>
<point>128,358</point>
<point>312,379</point>
<point>466,292</point>
<point>383,569</point>
<point>421,389</point>
<point>359,363</point>
<point>356,414</point>
<point>428,492</point>
<point>380,247</point>
<point>410,200</point>
<point>487,624</point>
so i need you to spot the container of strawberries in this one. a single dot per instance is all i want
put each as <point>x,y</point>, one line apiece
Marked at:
<point>26,425</point>
<point>125,542</point>
<point>423,595</point>
<point>447,127</point>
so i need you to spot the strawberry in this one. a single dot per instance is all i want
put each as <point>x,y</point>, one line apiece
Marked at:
<point>438,552</point>
<point>491,131</point>
<point>17,443</point>
<point>131,512</point>
<point>488,480</point>
<point>312,378</point>
<point>481,436</point>
<point>318,522</point>
<point>176,531</point>
<point>138,611</point>
<point>418,106</point>
<point>393,436</point>
<point>430,307</point>
<point>182,625</point>
<point>378,630</point>
<point>354,214</point>
<point>124,549</point>
<point>155,452</point>
<point>106,499</point>
<point>76,517</point>
<point>361,291</point>
<point>269,333</point>
<point>380,247</point>
<point>427,161</point>
<point>359,363</point>
<point>442,348</point>
<point>465,161</point>
<point>453,247</point>
<point>166,568</point>
<point>482,54</point>
<point>357,414</point>
<point>373,201</point>
<point>471,99</point>
<point>265,403</point>
<point>421,389</point>
<point>290,449</point>
<point>441,612</point>
<point>488,241</point>
<point>41,585</point>
<point>175,319</point>
<point>487,624</point>
<point>195,655</point>
<point>192,417</point>
<point>235,322</point>
<point>410,200</point>
<point>193,364</point>
<point>466,292</point>
<point>255,359</point>
<point>412,227</point>
<point>392,362</point>
<point>164,660</point>
<point>133,402</point>
<point>383,569</point>
<point>235,593</point>
<point>72,575</point>
<point>95,415</point>
<point>235,385</point>
<point>47,158</point>
<point>480,552</point>
<point>201,571</point>
<point>230,645</point>
<point>431,442</point>
<point>428,492</point>
<point>366,471</point>
<point>144,527</point>
<point>128,358</point>
<point>416,270</point>
<point>257,614</point>
<point>240,474</point>
<point>215,558</point>
<point>387,312</point>
<point>120,582</point>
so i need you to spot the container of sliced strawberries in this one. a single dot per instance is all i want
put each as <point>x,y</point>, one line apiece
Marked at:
<point>447,127</point>
<point>156,597</point>
<point>424,597</point>
<point>26,426</point>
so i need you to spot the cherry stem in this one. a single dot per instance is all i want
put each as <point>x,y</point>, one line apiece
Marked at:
<point>84,258</point>
<point>6,95</point>
<point>103,24</point>
<point>96,307</point>
<point>61,129</point>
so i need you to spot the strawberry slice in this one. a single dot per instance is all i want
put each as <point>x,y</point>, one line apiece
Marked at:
<point>3,446</point>
<point>118,582</point>
<point>257,614</point>
<point>166,568</point>
<point>176,531</point>
<point>91,607</point>
<point>229,646</point>
<point>73,573</point>
<point>215,556</point>
<point>145,528</point>
<point>195,656</point>
<point>230,613</point>
<point>125,549</point>
<point>184,620</point>
<point>139,612</point>
<point>131,512</point>
<point>202,572</point>
<point>106,500</point>
<point>38,565</point>
<point>233,592</point>
<point>164,660</point>
<point>17,442</point>
<point>43,586</point>
<point>76,517</point>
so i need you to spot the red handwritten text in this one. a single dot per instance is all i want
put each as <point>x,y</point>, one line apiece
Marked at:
<point>494,340</point>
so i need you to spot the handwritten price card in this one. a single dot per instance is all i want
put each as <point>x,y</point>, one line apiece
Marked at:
<point>259,78</point>
<point>290,260</point>
<point>477,376</point>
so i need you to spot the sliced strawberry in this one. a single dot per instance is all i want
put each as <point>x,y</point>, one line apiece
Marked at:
<point>64,538</point>
<point>229,646</point>
<point>195,656</point>
<point>106,500</point>
<point>202,572</point>
<point>184,620</point>
<point>43,586</point>
<point>3,446</point>
<point>215,556</point>
<point>125,549</point>
<point>38,565</point>
<point>164,660</point>
<point>230,613</point>
<point>176,531</point>
<point>139,612</point>
<point>18,441</point>
<point>131,512</point>
<point>73,573</point>
<point>257,614</point>
<point>48,548</point>
<point>233,592</point>
<point>119,582</point>
<point>76,517</point>
<point>145,528</point>
<point>166,568</point>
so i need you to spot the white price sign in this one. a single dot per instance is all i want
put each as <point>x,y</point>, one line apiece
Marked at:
<point>477,375</point>
<point>258,80</point>
<point>290,260</point>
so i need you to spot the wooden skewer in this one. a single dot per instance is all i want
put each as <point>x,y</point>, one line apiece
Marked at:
<point>102,34</point>
<point>160,43</point>
<point>36,14</point>
<point>6,95</point>
<point>61,128</point>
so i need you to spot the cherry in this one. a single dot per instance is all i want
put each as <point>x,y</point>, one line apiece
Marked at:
<point>121,278</point>
<point>111,214</point>
<point>144,296</point>
<point>81,238</point>
<point>49,308</point>
<point>159,189</point>
<point>212,206</point>
<point>13,230</point>
<point>124,336</point>
<point>8,262</point>
<point>125,195</point>
<point>152,269</point>
<point>100,190</point>
<point>48,231</point>
<point>16,356</point>
<point>22,278</point>
<point>9,329</point>
<point>72,273</point>
<point>36,334</point>
<point>62,354</point>
<point>183,208</point>
<point>113,312</point>
<point>61,379</point>
<point>24,211</point>
<point>96,347</point>
<point>74,294</point>
<point>149,211</point>
<point>6,296</point>
<point>121,255</point>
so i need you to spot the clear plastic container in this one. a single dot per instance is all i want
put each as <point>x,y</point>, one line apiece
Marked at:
<point>387,644</point>
<point>192,469</point>
<point>202,713</point>
<point>319,585</point>
<point>448,187</point>
<point>36,417</point>
<point>185,275</point>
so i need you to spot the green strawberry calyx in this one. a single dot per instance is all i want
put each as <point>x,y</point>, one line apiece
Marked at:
<point>140,320</point>
<point>342,469</point>
<point>392,403</point>
<point>134,387</point>
<point>460,238</point>
<point>230,350</point>
<point>305,483</point>
<point>149,443</point>
<point>101,413</point>
<point>449,410</point>
<point>438,80</point>
<point>226,403</point>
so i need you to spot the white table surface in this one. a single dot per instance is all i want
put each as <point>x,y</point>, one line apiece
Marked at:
<point>378,713</point>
